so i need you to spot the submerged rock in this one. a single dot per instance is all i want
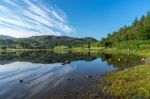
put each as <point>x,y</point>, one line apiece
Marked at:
<point>66,62</point>
<point>89,76</point>
<point>21,81</point>
<point>70,79</point>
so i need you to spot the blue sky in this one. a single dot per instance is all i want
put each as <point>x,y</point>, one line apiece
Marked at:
<point>97,18</point>
<point>78,18</point>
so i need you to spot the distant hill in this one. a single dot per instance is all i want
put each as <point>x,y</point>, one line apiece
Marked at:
<point>5,37</point>
<point>60,38</point>
<point>46,41</point>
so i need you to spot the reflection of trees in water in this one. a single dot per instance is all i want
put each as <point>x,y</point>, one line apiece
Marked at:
<point>43,57</point>
<point>118,60</point>
<point>6,58</point>
<point>121,60</point>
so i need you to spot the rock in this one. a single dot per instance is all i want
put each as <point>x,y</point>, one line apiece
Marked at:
<point>21,81</point>
<point>126,69</point>
<point>63,63</point>
<point>70,79</point>
<point>142,59</point>
<point>109,59</point>
<point>66,62</point>
<point>119,59</point>
<point>147,60</point>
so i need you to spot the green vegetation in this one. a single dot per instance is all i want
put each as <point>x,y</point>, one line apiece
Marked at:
<point>132,83</point>
<point>133,44</point>
<point>136,34</point>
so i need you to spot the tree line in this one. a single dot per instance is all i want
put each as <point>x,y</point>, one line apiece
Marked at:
<point>139,30</point>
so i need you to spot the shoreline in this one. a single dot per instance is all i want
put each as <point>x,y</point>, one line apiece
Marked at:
<point>131,82</point>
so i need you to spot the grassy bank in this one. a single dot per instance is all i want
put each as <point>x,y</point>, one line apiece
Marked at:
<point>132,83</point>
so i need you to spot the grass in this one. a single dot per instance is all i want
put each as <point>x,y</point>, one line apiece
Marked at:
<point>132,83</point>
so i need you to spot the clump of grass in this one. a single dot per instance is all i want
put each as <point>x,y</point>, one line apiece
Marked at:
<point>132,83</point>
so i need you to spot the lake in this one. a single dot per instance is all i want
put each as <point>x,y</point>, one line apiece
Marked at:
<point>45,75</point>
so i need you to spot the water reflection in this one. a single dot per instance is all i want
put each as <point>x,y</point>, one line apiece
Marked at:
<point>43,57</point>
<point>41,75</point>
<point>36,79</point>
<point>121,60</point>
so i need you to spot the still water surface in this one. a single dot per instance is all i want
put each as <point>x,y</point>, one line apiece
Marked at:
<point>42,75</point>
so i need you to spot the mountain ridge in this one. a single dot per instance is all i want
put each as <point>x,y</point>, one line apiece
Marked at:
<point>10,37</point>
<point>6,37</point>
<point>45,41</point>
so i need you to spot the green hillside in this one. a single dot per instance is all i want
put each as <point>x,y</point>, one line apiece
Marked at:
<point>45,41</point>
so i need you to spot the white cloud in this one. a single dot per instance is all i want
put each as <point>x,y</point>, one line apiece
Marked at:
<point>23,33</point>
<point>24,18</point>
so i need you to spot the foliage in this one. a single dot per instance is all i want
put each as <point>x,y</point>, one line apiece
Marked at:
<point>133,44</point>
<point>139,30</point>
